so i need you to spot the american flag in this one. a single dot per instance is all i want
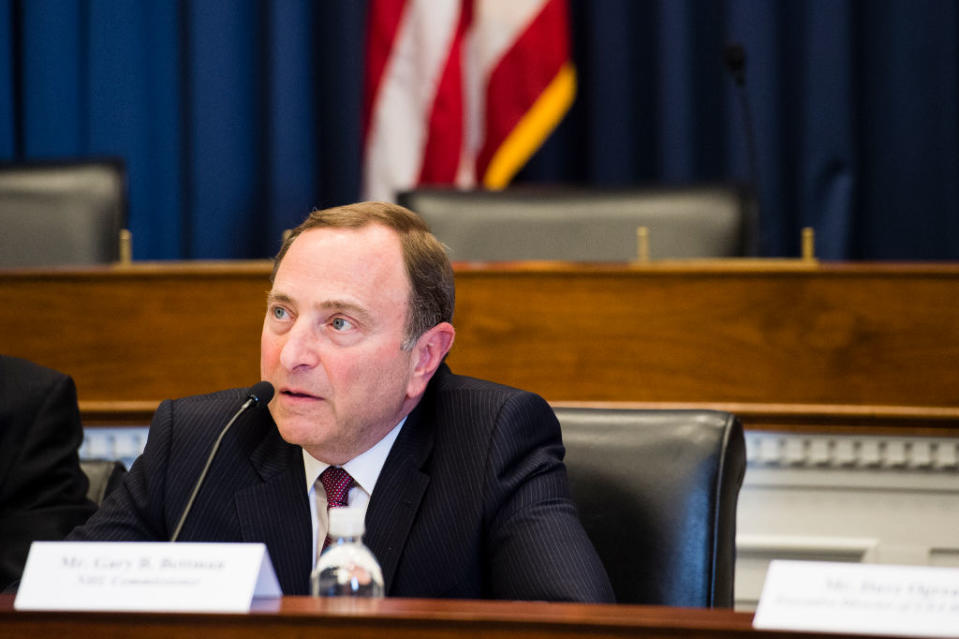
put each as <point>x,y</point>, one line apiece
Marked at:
<point>461,91</point>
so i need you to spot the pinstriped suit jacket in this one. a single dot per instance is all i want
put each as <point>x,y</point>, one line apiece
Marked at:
<point>472,501</point>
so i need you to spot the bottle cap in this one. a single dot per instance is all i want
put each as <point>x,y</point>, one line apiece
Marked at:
<point>346,522</point>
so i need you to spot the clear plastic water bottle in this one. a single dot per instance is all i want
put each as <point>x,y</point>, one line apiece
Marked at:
<point>347,568</point>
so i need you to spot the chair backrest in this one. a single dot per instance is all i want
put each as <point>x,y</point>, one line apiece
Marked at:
<point>591,225</point>
<point>61,213</point>
<point>657,493</point>
<point>104,475</point>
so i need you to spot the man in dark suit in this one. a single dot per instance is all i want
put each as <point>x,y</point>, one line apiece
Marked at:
<point>462,480</point>
<point>42,489</point>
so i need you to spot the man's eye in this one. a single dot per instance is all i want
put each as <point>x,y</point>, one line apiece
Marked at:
<point>341,324</point>
<point>278,312</point>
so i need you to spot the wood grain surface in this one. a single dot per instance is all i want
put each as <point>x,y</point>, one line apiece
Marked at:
<point>296,617</point>
<point>736,332</point>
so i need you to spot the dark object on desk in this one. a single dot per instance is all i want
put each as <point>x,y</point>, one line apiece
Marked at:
<point>589,225</point>
<point>42,489</point>
<point>56,213</point>
<point>657,492</point>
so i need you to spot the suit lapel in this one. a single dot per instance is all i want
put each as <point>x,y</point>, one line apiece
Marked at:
<point>277,513</point>
<point>398,493</point>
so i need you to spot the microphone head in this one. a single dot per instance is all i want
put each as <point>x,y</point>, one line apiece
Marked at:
<point>261,393</point>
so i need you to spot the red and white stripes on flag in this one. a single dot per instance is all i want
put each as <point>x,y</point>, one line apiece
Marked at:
<point>461,91</point>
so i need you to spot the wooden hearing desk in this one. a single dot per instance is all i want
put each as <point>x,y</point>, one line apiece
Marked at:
<point>296,617</point>
<point>781,343</point>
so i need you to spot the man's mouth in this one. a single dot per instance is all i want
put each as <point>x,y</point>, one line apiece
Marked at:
<point>297,394</point>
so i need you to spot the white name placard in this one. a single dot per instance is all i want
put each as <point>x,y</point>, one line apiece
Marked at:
<point>918,601</point>
<point>141,576</point>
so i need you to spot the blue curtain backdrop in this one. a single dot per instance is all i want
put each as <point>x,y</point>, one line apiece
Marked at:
<point>237,117</point>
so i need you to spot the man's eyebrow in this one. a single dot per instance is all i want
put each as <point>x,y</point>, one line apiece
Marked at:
<point>272,298</point>
<point>346,307</point>
<point>329,305</point>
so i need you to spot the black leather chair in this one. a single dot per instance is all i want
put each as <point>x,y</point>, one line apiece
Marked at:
<point>56,213</point>
<point>591,225</point>
<point>657,493</point>
<point>104,475</point>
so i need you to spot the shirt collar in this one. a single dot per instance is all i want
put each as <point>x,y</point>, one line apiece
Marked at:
<point>364,468</point>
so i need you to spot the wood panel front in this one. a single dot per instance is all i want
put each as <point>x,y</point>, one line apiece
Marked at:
<point>140,333</point>
<point>698,332</point>
<point>715,332</point>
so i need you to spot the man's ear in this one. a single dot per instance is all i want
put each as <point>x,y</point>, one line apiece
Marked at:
<point>428,353</point>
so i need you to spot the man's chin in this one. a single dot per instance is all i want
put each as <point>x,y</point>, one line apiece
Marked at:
<point>299,430</point>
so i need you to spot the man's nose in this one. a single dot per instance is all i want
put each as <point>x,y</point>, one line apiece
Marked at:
<point>299,350</point>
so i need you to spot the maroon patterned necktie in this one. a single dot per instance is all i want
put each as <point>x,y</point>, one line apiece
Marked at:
<point>337,483</point>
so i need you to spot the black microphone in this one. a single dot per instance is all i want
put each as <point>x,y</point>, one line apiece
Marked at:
<point>734,56</point>
<point>259,395</point>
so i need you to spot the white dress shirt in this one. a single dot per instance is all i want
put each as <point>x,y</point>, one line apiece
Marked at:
<point>364,469</point>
